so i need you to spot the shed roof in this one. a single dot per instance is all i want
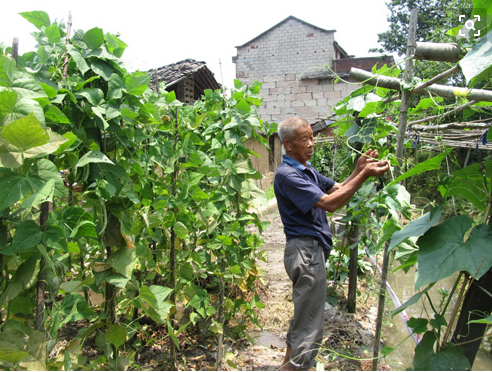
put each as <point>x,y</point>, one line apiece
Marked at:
<point>175,72</point>
<point>282,22</point>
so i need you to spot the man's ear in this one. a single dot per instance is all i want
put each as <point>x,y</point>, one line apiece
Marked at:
<point>287,145</point>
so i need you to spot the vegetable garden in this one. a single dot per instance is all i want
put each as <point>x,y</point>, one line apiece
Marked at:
<point>123,211</point>
<point>109,189</point>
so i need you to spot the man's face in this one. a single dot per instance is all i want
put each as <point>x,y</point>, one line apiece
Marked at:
<point>301,148</point>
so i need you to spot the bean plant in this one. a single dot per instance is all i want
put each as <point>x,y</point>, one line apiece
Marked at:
<point>119,206</point>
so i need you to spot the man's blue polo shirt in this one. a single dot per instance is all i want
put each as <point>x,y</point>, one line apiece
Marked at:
<point>298,189</point>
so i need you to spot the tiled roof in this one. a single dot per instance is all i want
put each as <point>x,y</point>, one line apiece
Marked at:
<point>175,72</point>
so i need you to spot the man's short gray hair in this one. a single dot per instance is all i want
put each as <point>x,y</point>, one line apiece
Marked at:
<point>287,129</point>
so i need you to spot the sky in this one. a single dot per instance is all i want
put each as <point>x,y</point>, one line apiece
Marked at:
<point>161,32</point>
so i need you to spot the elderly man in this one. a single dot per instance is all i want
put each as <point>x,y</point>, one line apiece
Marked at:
<point>304,196</point>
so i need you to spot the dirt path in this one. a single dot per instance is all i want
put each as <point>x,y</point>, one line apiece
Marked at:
<point>347,334</point>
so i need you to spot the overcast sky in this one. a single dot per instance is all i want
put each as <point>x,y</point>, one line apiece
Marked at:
<point>163,32</point>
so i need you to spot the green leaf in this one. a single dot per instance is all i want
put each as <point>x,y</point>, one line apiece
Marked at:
<point>93,156</point>
<point>26,86</point>
<point>430,164</point>
<point>8,99</point>
<point>416,227</point>
<point>27,235</point>
<point>412,300</point>
<point>7,67</point>
<point>13,187</point>
<point>71,286</point>
<point>53,237</point>
<point>116,334</point>
<point>10,355</point>
<point>53,33</point>
<point>123,261</point>
<point>38,18</point>
<point>95,96</point>
<point>137,83</point>
<point>243,107</point>
<point>477,63</point>
<point>443,250</point>
<point>42,172</point>
<point>36,348</point>
<point>186,271</point>
<point>470,184</point>
<point>25,133</point>
<point>418,325</point>
<point>487,320</point>
<point>115,45</point>
<point>94,38</point>
<point>181,230</point>
<point>103,69</point>
<point>449,358</point>
<point>78,222</point>
<point>78,58</point>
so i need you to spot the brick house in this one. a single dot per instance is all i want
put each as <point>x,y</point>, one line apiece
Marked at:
<point>297,64</point>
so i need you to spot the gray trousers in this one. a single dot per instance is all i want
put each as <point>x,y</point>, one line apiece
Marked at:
<point>304,261</point>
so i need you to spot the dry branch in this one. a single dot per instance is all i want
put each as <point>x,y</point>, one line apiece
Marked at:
<point>440,116</point>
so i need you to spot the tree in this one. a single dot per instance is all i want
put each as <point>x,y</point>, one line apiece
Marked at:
<point>435,19</point>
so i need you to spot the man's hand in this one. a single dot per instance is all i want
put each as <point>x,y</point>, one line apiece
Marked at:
<point>370,156</point>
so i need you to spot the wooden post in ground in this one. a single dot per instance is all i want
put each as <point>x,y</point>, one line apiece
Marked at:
<point>412,29</point>
<point>353,269</point>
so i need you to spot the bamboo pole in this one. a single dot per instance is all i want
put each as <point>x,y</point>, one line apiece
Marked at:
<point>366,77</point>
<point>443,52</point>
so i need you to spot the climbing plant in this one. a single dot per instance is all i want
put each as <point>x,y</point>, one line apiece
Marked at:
<point>119,205</point>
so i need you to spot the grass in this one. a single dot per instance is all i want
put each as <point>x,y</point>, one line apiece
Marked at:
<point>270,194</point>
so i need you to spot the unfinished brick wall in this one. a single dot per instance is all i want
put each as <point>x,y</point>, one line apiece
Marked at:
<point>278,57</point>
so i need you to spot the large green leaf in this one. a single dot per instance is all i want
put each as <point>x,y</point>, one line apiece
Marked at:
<point>123,261</point>
<point>27,235</point>
<point>470,183</point>
<point>95,96</point>
<point>7,68</point>
<point>137,83</point>
<point>116,334</point>
<point>8,99</point>
<point>416,227</point>
<point>94,38</point>
<point>26,86</point>
<point>22,108</point>
<point>12,156</point>
<point>477,63</point>
<point>38,18</point>
<point>78,222</point>
<point>13,187</point>
<point>449,358</point>
<point>445,249</point>
<point>93,157</point>
<point>78,58</point>
<point>25,133</point>
<point>430,164</point>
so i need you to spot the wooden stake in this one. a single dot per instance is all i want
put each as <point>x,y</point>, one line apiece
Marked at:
<point>405,96</point>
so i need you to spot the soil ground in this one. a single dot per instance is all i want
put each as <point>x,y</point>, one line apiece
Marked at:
<point>348,338</point>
